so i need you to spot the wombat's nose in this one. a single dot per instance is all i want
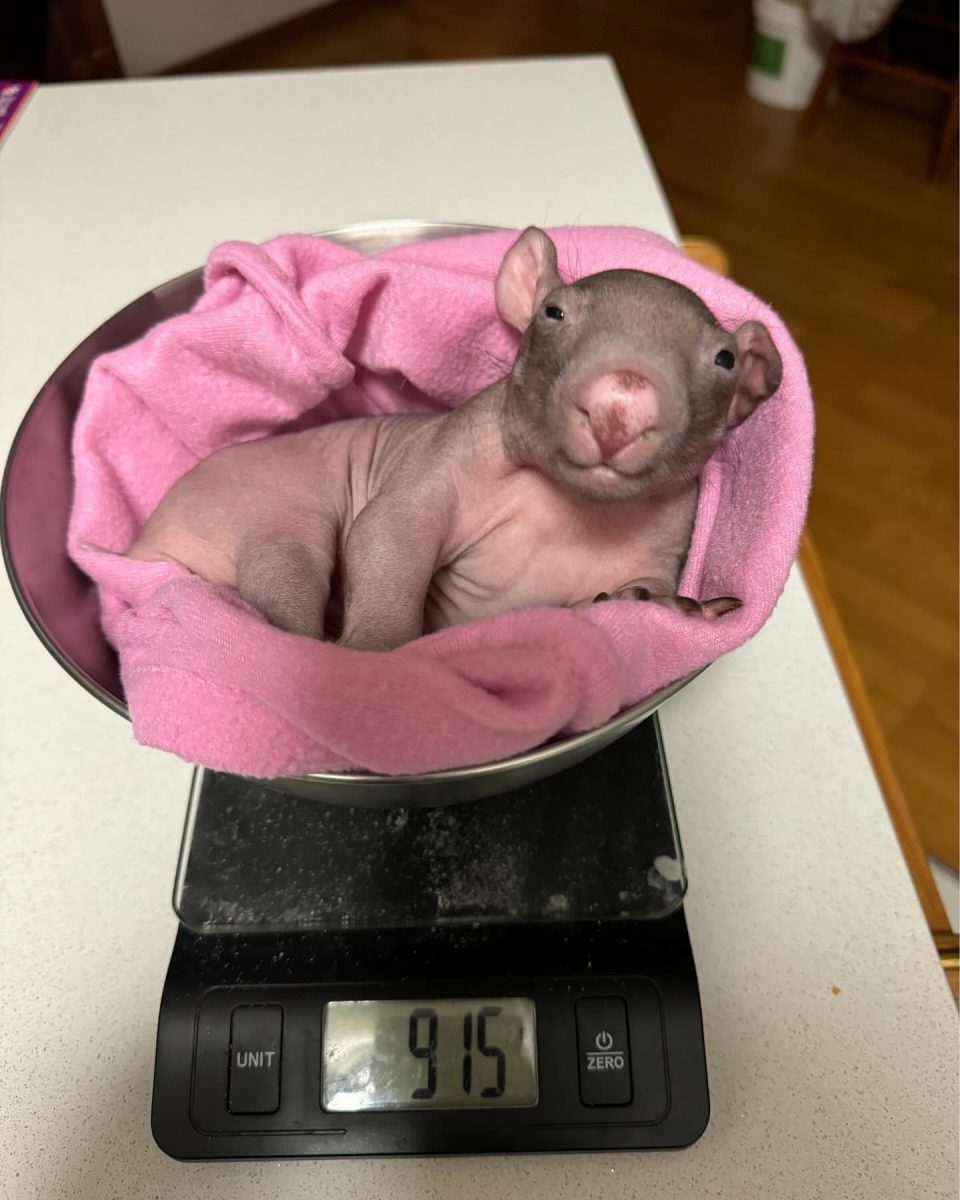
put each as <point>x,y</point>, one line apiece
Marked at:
<point>621,406</point>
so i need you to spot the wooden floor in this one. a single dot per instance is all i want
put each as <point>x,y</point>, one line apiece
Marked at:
<point>839,229</point>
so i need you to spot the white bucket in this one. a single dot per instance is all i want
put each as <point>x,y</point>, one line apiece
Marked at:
<point>789,53</point>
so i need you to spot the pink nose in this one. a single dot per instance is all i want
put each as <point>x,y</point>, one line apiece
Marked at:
<point>621,407</point>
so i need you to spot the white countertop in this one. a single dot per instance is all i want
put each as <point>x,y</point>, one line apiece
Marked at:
<point>829,1028</point>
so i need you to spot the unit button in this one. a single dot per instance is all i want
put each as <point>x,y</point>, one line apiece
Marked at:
<point>603,1046</point>
<point>255,1036</point>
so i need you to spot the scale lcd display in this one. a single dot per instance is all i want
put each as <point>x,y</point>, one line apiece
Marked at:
<point>410,1054</point>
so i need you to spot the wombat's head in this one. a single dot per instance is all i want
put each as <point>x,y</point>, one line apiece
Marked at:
<point>624,382</point>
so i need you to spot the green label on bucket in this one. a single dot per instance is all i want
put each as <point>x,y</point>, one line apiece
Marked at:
<point>768,54</point>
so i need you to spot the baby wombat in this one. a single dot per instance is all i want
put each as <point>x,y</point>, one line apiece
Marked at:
<point>572,479</point>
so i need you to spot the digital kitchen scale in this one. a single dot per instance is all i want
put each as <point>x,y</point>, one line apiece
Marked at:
<point>500,976</point>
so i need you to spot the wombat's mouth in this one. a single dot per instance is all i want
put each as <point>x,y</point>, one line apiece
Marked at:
<point>603,471</point>
<point>600,481</point>
<point>600,470</point>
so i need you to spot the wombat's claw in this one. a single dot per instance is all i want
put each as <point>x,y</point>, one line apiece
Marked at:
<point>689,607</point>
<point>707,610</point>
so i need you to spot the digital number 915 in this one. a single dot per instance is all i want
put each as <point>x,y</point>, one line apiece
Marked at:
<point>422,1040</point>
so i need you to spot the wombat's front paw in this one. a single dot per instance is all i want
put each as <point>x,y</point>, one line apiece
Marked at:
<point>706,610</point>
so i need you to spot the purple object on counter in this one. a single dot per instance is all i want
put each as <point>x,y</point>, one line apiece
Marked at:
<point>14,94</point>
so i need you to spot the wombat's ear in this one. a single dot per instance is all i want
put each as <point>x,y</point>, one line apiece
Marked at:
<point>527,274</point>
<point>759,371</point>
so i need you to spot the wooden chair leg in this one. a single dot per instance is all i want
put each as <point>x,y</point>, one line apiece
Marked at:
<point>830,74</point>
<point>947,140</point>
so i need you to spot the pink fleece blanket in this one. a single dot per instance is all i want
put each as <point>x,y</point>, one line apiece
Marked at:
<point>300,331</point>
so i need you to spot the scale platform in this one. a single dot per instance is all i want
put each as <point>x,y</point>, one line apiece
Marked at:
<point>501,976</point>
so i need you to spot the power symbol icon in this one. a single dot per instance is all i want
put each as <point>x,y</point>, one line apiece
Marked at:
<point>604,1040</point>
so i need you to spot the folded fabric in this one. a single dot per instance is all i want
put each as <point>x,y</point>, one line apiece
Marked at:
<point>300,331</point>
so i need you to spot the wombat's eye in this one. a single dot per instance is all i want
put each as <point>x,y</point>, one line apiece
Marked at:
<point>725,359</point>
<point>554,313</point>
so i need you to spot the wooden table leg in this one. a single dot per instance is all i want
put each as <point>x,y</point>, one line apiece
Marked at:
<point>947,140</point>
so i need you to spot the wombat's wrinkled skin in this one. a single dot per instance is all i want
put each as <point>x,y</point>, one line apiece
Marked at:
<point>572,479</point>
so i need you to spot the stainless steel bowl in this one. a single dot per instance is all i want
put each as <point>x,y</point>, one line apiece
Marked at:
<point>60,602</point>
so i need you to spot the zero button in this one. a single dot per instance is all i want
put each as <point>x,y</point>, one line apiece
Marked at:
<point>603,1047</point>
